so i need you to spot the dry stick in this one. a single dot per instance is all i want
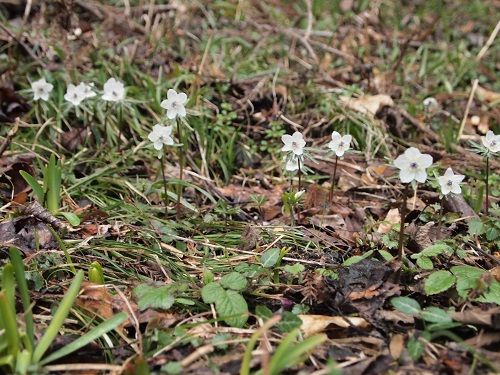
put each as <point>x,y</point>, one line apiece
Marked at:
<point>467,108</point>
<point>402,224</point>
<point>487,185</point>
<point>9,136</point>
<point>162,167</point>
<point>333,179</point>
<point>489,42</point>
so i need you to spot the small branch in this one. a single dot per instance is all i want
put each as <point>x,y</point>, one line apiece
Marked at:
<point>467,108</point>
<point>8,138</point>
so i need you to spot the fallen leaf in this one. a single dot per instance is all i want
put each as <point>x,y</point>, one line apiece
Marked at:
<point>393,217</point>
<point>312,324</point>
<point>487,95</point>
<point>396,345</point>
<point>368,105</point>
<point>95,298</point>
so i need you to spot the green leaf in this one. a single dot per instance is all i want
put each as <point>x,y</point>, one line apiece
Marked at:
<point>386,255</point>
<point>172,368</point>
<point>234,280</point>
<point>263,312</point>
<point>232,308</point>
<point>212,293</point>
<point>467,278</point>
<point>89,337</point>
<point>72,218</point>
<point>425,263</point>
<point>289,321</point>
<point>415,348</point>
<point>154,297</point>
<point>270,257</point>
<point>476,227</point>
<point>438,282</point>
<point>356,258</point>
<point>493,293</point>
<point>58,318</point>
<point>35,186</point>
<point>436,249</point>
<point>295,269</point>
<point>435,315</point>
<point>406,305</point>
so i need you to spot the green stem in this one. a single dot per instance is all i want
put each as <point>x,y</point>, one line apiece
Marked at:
<point>120,126</point>
<point>106,109</point>
<point>165,189</point>
<point>487,185</point>
<point>181,167</point>
<point>332,186</point>
<point>402,224</point>
<point>300,177</point>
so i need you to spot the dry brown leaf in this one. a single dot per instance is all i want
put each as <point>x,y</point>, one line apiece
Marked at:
<point>312,324</point>
<point>393,217</point>
<point>369,104</point>
<point>396,346</point>
<point>96,298</point>
<point>487,95</point>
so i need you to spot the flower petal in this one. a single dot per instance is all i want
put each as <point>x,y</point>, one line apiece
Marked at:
<point>421,175</point>
<point>171,94</point>
<point>406,176</point>
<point>425,160</point>
<point>181,98</point>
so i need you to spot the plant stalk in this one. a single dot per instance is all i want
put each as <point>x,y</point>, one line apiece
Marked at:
<point>402,224</point>
<point>332,186</point>
<point>487,185</point>
<point>165,189</point>
<point>181,168</point>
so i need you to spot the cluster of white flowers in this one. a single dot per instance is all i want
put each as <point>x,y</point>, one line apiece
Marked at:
<point>161,135</point>
<point>114,91</point>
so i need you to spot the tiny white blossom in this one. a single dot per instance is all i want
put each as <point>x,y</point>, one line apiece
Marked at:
<point>291,164</point>
<point>160,136</point>
<point>450,182</point>
<point>491,141</point>
<point>75,94</point>
<point>340,144</point>
<point>88,89</point>
<point>114,91</point>
<point>299,194</point>
<point>412,165</point>
<point>41,89</point>
<point>174,104</point>
<point>294,143</point>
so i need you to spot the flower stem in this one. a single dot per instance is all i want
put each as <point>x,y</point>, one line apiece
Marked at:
<point>332,186</point>
<point>120,126</point>
<point>106,109</point>
<point>402,224</point>
<point>181,167</point>
<point>165,189</point>
<point>300,177</point>
<point>487,185</point>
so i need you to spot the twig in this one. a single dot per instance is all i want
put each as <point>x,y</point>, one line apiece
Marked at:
<point>467,108</point>
<point>489,42</point>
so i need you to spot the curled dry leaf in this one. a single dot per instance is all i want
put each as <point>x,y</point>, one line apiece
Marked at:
<point>393,217</point>
<point>368,105</point>
<point>312,324</point>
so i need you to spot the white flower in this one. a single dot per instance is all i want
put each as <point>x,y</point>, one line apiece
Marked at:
<point>174,104</point>
<point>292,165</point>
<point>87,89</point>
<point>41,89</point>
<point>299,194</point>
<point>160,136</point>
<point>450,182</point>
<point>294,143</point>
<point>75,94</point>
<point>491,141</point>
<point>340,144</point>
<point>412,165</point>
<point>114,91</point>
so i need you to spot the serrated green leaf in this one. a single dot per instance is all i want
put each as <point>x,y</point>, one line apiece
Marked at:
<point>212,293</point>
<point>406,305</point>
<point>436,249</point>
<point>467,277</point>
<point>270,257</point>
<point>289,321</point>
<point>435,315</point>
<point>476,227</point>
<point>493,293</point>
<point>232,308</point>
<point>438,282</point>
<point>234,280</point>
<point>425,263</point>
<point>294,269</point>
<point>154,297</point>
<point>263,312</point>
